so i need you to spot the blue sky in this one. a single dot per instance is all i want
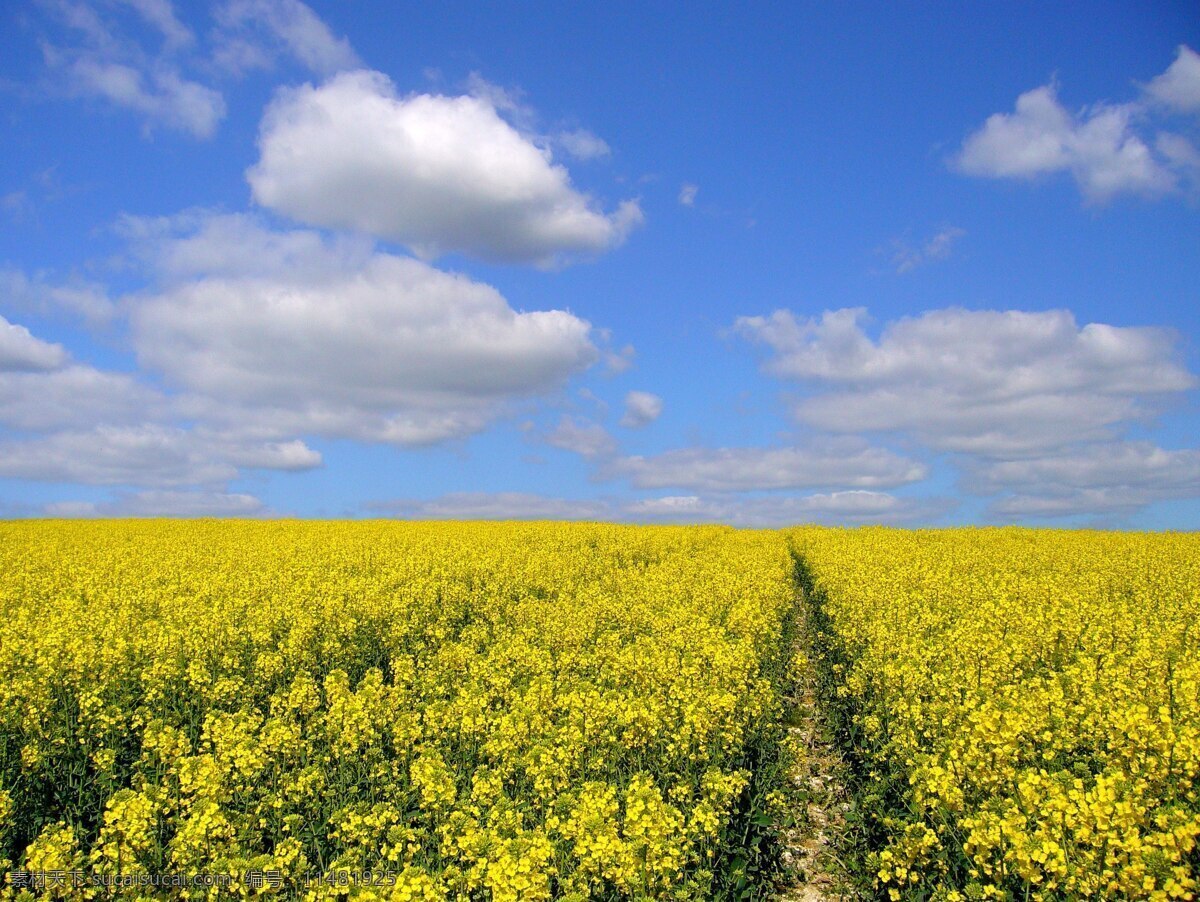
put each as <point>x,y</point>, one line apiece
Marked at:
<point>846,263</point>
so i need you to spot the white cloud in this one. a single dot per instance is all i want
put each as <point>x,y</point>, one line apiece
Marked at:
<point>292,456</point>
<point>495,506</point>
<point>510,101</point>
<point>985,382</point>
<point>162,503</point>
<point>906,258</point>
<point>42,389</point>
<point>1107,464</point>
<point>104,64</point>
<point>101,61</point>
<point>375,347</point>
<point>75,396</point>
<point>160,94</point>
<point>641,409</point>
<point>203,244</point>
<point>145,455</point>
<point>619,360</point>
<point>687,194</point>
<point>843,463</point>
<point>288,24</point>
<point>42,295</point>
<point>435,173</point>
<point>1183,156</point>
<point>1029,142</point>
<point>1115,500</point>
<point>1179,86</point>
<point>85,425</point>
<point>582,144</point>
<point>1098,147</point>
<point>1096,478</point>
<point>21,352</point>
<point>589,440</point>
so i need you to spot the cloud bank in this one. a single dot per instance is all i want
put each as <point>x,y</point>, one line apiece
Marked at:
<point>369,346</point>
<point>1106,148</point>
<point>1033,408</point>
<point>987,382</point>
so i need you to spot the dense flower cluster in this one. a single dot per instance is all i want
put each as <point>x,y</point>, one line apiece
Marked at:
<point>1023,706</point>
<point>481,711</point>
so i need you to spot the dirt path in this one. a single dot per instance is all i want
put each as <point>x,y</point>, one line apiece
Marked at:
<point>811,845</point>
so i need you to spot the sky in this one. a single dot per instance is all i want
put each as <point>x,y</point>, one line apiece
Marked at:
<point>913,264</point>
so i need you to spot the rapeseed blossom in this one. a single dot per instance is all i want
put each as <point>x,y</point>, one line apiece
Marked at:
<point>503,711</point>
<point>1023,707</point>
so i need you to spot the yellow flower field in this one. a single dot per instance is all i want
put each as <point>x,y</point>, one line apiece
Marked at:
<point>474,711</point>
<point>381,710</point>
<point>1022,707</point>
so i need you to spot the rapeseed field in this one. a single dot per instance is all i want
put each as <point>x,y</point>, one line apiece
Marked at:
<point>426,711</point>
<point>1022,707</point>
<point>504,711</point>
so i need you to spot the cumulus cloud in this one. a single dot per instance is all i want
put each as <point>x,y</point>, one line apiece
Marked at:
<point>985,382</point>
<point>84,425</point>
<point>139,452</point>
<point>252,31</point>
<point>435,173</point>
<point>641,409</point>
<point>906,257</point>
<point>495,506</point>
<point>1105,147</point>
<point>1179,86</point>
<point>163,503</point>
<point>261,338</point>
<point>375,347</point>
<point>687,194</point>
<point>846,463</point>
<point>21,352</point>
<point>1098,147</point>
<point>1034,406</point>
